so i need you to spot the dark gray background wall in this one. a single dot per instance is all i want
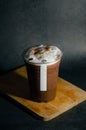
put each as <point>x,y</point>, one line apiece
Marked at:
<point>24,23</point>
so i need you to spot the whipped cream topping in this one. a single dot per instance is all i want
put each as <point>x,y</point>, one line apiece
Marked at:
<point>43,54</point>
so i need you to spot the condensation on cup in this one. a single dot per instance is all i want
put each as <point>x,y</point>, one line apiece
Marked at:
<point>42,63</point>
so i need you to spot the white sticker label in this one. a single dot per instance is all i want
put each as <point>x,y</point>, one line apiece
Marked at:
<point>43,77</point>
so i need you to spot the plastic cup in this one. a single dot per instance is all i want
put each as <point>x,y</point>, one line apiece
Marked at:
<point>42,74</point>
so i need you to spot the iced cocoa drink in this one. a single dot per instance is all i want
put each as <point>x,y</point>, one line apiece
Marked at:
<point>42,64</point>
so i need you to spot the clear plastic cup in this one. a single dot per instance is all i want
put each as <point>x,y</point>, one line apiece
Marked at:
<point>42,69</point>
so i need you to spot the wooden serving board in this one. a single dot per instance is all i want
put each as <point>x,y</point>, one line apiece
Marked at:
<point>15,85</point>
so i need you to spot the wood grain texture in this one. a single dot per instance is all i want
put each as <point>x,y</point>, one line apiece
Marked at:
<point>15,85</point>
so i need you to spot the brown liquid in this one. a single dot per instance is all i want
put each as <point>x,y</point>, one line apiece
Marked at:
<point>33,72</point>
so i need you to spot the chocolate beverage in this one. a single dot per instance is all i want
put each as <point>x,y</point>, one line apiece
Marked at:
<point>49,76</point>
<point>34,82</point>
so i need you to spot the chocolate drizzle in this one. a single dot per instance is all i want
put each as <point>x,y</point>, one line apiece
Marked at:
<point>41,50</point>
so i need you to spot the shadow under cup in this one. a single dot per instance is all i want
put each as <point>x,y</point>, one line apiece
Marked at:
<point>43,80</point>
